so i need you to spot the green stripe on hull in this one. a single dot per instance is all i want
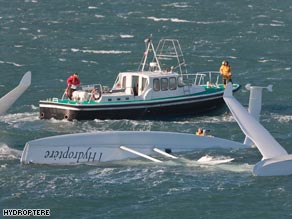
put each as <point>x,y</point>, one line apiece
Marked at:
<point>208,90</point>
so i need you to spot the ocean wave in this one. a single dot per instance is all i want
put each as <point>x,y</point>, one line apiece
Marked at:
<point>132,171</point>
<point>11,63</point>
<point>263,60</point>
<point>230,167</point>
<point>16,118</point>
<point>92,62</point>
<point>176,20</point>
<point>23,121</point>
<point>126,36</point>
<point>278,22</point>
<point>282,118</point>
<point>98,16</point>
<point>271,24</point>
<point>31,1</point>
<point>176,5</point>
<point>7,153</point>
<point>158,19</point>
<point>185,126</point>
<point>100,51</point>
<point>277,25</point>
<point>214,160</point>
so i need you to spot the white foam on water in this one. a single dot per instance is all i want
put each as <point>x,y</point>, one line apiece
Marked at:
<point>98,16</point>
<point>282,118</point>
<point>175,20</point>
<point>86,61</point>
<point>263,60</point>
<point>19,117</point>
<point>100,51</point>
<point>101,172</point>
<point>214,160</point>
<point>23,28</point>
<point>11,63</point>
<point>126,36</point>
<point>31,1</point>
<point>177,5</point>
<point>230,167</point>
<point>7,153</point>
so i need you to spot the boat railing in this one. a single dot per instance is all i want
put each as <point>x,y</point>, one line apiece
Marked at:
<point>200,78</point>
<point>89,88</point>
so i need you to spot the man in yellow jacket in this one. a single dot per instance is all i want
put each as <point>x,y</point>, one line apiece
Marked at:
<point>200,132</point>
<point>225,71</point>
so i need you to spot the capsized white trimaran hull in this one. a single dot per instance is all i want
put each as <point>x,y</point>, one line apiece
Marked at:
<point>7,100</point>
<point>107,146</point>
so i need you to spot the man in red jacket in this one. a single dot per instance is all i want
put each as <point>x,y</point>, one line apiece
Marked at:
<point>73,82</point>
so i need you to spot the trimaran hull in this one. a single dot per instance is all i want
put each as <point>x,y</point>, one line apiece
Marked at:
<point>110,146</point>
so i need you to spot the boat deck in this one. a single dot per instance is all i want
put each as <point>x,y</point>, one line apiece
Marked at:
<point>208,90</point>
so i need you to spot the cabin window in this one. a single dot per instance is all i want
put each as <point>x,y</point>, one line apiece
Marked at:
<point>144,84</point>
<point>181,82</point>
<point>172,83</point>
<point>156,84</point>
<point>164,84</point>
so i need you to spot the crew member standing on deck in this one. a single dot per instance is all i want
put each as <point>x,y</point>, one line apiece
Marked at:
<point>73,82</point>
<point>225,71</point>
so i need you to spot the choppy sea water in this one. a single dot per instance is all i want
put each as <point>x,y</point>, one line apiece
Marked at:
<point>98,39</point>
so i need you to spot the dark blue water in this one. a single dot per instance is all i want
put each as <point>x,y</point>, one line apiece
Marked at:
<point>98,39</point>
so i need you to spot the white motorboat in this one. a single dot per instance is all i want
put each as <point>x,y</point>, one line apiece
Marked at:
<point>160,88</point>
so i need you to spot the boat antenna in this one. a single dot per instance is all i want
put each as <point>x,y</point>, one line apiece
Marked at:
<point>149,47</point>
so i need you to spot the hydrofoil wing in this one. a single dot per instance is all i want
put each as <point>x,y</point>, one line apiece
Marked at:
<point>264,141</point>
<point>7,100</point>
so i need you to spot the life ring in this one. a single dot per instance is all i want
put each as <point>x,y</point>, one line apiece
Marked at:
<point>95,94</point>
<point>118,85</point>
